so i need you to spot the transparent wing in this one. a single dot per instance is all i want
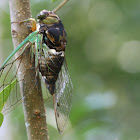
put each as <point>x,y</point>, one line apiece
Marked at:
<point>10,73</point>
<point>7,75</point>
<point>63,97</point>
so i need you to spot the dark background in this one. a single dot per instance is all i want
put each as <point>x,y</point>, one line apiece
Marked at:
<point>104,63</point>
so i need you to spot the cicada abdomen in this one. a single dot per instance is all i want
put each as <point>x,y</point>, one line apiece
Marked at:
<point>50,67</point>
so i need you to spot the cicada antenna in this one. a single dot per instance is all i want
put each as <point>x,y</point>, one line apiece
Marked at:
<point>60,5</point>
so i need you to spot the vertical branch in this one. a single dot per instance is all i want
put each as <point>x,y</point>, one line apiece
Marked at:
<point>33,105</point>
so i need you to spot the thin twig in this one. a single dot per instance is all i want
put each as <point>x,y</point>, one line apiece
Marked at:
<point>59,6</point>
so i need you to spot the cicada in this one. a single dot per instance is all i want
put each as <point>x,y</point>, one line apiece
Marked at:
<point>47,47</point>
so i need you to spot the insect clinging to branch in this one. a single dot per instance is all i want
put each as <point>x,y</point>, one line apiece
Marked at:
<point>47,48</point>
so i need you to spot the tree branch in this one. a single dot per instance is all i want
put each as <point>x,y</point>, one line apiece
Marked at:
<point>33,105</point>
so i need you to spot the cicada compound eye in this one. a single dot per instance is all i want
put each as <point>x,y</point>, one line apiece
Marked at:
<point>43,14</point>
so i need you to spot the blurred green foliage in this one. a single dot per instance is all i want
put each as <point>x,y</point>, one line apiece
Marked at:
<point>103,60</point>
<point>4,94</point>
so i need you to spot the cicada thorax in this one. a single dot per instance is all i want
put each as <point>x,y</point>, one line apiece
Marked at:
<point>51,27</point>
<point>54,35</point>
<point>50,67</point>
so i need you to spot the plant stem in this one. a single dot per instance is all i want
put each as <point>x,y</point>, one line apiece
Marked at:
<point>33,105</point>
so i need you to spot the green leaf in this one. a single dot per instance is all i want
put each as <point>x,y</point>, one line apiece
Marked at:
<point>4,94</point>
<point>1,119</point>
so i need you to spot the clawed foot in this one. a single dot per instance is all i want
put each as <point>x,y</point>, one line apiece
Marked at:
<point>31,23</point>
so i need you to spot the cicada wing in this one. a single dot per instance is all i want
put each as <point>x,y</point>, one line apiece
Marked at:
<point>63,97</point>
<point>10,73</point>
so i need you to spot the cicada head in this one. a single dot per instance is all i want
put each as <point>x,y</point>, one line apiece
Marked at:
<point>47,17</point>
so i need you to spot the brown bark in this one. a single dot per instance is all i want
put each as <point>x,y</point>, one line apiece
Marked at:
<point>33,105</point>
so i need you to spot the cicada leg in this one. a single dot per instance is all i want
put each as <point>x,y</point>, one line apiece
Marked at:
<point>32,23</point>
<point>30,38</point>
